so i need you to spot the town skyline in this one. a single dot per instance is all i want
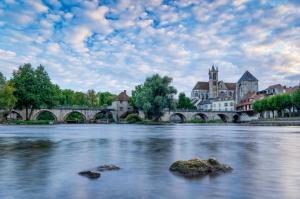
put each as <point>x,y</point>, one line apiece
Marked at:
<point>115,45</point>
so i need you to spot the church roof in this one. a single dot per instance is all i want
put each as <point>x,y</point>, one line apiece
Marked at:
<point>122,96</point>
<point>278,86</point>
<point>247,76</point>
<point>231,86</point>
<point>201,86</point>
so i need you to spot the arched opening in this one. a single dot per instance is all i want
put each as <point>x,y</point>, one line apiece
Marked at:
<point>223,117</point>
<point>103,117</point>
<point>236,118</point>
<point>46,115</point>
<point>14,115</point>
<point>200,117</point>
<point>75,117</point>
<point>177,118</point>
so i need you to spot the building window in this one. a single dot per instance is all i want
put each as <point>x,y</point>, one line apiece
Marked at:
<point>226,104</point>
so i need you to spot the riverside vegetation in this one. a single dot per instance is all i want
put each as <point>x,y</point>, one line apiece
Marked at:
<point>31,88</point>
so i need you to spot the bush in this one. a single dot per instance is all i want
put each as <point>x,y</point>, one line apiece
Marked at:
<point>133,118</point>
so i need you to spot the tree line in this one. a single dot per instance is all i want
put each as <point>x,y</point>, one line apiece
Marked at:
<point>32,89</point>
<point>279,103</point>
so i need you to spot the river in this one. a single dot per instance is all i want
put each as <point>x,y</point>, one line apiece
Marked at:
<point>266,161</point>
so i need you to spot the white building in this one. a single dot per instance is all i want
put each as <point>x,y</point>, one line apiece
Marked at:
<point>226,104</point>
<point>205,105</point>
<point>121,105</point>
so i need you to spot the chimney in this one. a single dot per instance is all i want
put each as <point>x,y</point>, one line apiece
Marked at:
<point>124,91</point>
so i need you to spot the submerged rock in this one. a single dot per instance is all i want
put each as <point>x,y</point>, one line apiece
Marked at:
<point>108,167</point>
<point>90,174</point>
<point>197,167</point>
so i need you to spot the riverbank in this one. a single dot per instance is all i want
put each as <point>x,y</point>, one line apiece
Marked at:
<point>263,122</point>
<point>276,122</point>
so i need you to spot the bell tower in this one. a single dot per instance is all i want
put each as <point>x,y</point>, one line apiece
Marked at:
<point>213,82</point>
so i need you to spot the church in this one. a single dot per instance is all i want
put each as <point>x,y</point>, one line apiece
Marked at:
<point>213,88</point>
<point>205,93</point>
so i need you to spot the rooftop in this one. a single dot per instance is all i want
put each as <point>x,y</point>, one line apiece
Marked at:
<point>201,86</point>
<point>247,76</point>
<point>122,96</point>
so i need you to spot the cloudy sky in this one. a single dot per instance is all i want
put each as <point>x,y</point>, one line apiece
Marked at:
<point>115,44</point>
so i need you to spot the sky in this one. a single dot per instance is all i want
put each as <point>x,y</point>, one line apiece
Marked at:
<point>113,45</point>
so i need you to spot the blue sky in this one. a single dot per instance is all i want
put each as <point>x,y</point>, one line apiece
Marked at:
<point>115,44</point>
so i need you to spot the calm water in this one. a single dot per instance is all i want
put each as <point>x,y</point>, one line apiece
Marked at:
<point>266,161</point>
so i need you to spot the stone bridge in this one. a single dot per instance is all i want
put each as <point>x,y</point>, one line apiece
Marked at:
<point>61,114</point>
<point>184,116</point>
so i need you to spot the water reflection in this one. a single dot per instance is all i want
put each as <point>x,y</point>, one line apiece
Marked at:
<point>43,162</point>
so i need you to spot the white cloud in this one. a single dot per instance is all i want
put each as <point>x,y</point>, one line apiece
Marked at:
<point>53,47</point>
<point>77,37</point>
<point>6,54</point>
<point>37,5</point>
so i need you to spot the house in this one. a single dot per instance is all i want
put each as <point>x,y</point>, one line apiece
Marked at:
<point>223,104</point>
<point>121,105</point>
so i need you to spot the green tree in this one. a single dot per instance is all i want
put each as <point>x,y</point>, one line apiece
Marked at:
<point>7,99</point>
<point>79,99</point>
<point>105,98</point>
<point>33,89</point>
<point>282,102</point>
<point>257,106</point>
<point>92,100</point>
<point>154,96</point>
<point>184,102</point>
<point>67,98</point>
<point>296,99</point>
<point>2,80</point>
<point>48,92</point>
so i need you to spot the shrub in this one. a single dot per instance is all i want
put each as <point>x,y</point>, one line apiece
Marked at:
<point>133,118</point>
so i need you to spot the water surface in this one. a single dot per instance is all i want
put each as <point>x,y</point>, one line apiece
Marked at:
<point>266,161</point>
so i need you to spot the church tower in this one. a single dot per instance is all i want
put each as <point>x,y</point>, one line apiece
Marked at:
<point>246,84</point>
<point>213,82</point>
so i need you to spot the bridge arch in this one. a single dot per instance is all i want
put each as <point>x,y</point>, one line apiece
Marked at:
<point>200,116</point>
<point>103,115</point>
<point>75,114</point>
<point>177,117</point>
<point>224,117</point>
<point>236,118</point>
<point>14,115</point>
<point>48,113</point>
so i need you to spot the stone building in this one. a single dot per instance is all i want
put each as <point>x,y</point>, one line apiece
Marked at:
<point>121,105</point>
<point>246,84</point>
<point>206,91</point>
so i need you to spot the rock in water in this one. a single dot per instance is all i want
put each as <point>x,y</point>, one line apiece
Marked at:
<point>197,167</point>
<point>90,174</point>
<point>107,167</point>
